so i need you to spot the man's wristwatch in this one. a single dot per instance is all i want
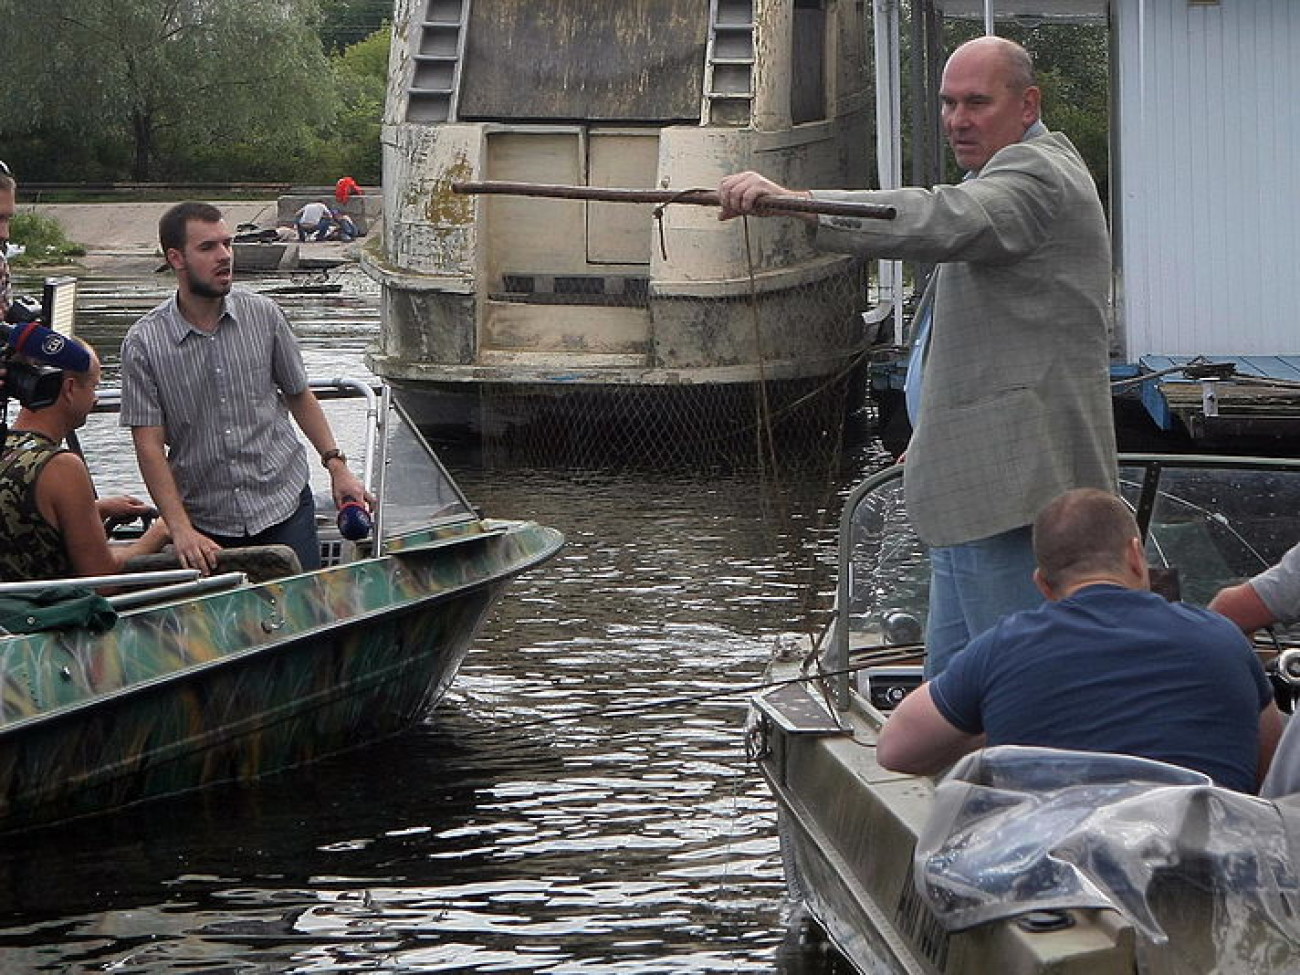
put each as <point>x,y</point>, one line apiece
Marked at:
<point>330,455</point>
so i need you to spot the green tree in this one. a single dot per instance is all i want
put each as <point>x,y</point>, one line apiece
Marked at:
<point>347,22</point>
<point>167,79</point>
<point>361,80</point>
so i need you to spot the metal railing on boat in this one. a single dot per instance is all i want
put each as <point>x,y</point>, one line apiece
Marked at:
<point>149,587</point>
<point>133,579</point>
<point>182,590</point>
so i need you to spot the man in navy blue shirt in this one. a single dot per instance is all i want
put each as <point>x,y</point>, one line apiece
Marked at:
<point>1104,665</point>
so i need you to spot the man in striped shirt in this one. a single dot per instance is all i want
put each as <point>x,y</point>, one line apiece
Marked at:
<point>210,380</point>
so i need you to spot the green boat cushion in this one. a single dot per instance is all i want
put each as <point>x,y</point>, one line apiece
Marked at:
<point>55,608</point>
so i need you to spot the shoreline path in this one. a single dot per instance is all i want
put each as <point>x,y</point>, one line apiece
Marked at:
<point>123,236</point>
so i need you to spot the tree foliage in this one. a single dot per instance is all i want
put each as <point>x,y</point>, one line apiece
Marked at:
<point>361,81</point>
<point>44,240</point>
<point>158,84</point>
<point>348,22</point>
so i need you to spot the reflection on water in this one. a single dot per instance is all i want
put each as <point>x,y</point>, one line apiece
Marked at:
<point>581,803</point>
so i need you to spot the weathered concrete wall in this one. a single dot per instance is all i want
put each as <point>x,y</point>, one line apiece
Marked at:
<point>800,322</point>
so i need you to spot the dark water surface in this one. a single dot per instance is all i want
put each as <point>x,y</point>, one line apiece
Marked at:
<point>580,803</point>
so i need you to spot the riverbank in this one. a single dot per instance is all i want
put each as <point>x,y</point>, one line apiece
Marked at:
<point>123,237</point>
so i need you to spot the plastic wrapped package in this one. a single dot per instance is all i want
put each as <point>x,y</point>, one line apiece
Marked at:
<point>1205,874</point>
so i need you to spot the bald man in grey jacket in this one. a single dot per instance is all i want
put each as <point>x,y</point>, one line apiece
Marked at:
<point>1015,403</point>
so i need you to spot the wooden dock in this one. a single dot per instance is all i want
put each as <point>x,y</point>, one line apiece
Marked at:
<point>1217,397</point>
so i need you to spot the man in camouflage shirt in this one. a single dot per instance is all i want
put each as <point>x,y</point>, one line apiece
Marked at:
<point>51,524</point>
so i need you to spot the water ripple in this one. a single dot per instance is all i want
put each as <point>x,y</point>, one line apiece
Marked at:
<point>580,804</point>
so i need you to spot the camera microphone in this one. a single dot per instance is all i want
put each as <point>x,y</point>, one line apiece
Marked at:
<point>46,346</point>
<point>354,519</point>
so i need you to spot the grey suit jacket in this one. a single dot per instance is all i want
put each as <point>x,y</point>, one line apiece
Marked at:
<point>1015,405</point>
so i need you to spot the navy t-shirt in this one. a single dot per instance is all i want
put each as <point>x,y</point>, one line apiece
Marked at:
<point>1115,670</point>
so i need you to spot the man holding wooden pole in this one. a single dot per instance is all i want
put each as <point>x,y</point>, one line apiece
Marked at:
<point>1015,405</point>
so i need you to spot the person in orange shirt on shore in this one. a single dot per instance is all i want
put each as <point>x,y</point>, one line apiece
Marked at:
<point>346,188</point>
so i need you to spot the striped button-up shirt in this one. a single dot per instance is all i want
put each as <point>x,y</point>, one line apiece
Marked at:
<point>238,463</point>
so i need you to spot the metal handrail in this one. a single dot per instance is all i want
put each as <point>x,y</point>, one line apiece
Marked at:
<point>123,579</point>
<point>377,399</point>
<point>197,587</point>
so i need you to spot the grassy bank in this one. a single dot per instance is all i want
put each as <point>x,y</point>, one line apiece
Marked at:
<point>44,239</point>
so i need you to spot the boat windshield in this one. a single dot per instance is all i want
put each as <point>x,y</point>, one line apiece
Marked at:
<point>1214,521</point>
<point>1209,522</point>
<point>415,489</point>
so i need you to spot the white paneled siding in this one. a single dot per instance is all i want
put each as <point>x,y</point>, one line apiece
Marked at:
<point>1208,205</point>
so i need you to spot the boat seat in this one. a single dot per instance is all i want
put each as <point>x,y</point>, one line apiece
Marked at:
<point>261,563</point>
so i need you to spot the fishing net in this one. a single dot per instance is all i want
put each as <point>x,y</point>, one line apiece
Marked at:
<point>726,427</point>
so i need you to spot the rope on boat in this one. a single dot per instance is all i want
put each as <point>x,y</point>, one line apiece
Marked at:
<point>1204,369</point>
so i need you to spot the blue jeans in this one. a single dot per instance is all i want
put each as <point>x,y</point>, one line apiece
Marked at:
<point>319,230</point>
<point>972,586</point>
<point>298,531</point>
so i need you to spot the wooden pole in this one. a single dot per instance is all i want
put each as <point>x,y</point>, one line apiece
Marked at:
<point>704,198</point>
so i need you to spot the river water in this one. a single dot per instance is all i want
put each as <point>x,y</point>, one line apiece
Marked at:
<point>581,801</point>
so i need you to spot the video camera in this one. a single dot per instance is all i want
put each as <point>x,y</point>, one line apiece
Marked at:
<point>38,333</point>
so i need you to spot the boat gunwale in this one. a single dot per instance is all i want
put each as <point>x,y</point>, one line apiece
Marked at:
<point>282,642</point>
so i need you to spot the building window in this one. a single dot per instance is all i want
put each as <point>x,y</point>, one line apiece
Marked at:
<point>808,61</point>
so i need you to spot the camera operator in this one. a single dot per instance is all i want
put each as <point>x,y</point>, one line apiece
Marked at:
<point>50,521</point>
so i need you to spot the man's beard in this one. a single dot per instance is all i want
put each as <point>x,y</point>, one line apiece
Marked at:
<point>205,290</point>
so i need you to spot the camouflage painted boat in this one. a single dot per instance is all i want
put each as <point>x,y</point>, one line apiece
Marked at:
<point>1030,860</point>
<point>198,687</point>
